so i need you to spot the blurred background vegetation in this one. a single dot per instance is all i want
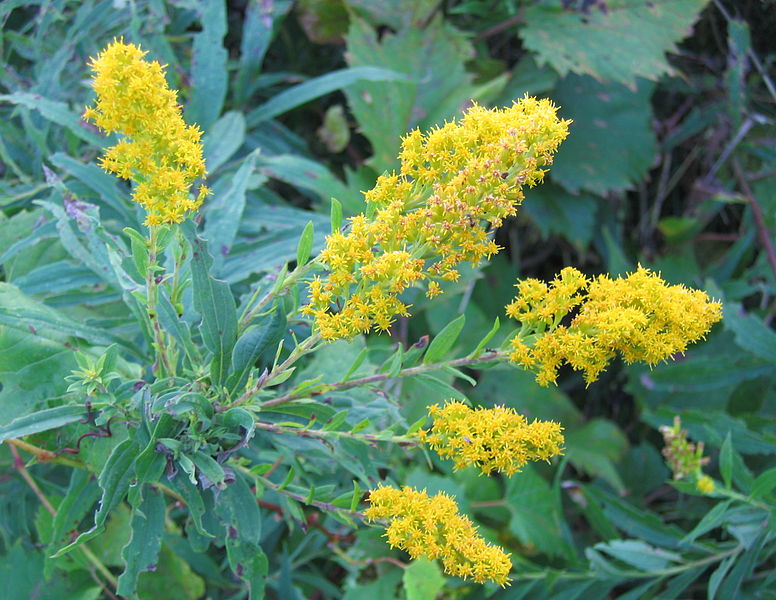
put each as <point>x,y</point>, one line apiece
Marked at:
<point>670,163</point>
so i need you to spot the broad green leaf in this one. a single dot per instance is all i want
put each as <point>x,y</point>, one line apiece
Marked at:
<point>56,112</point>
<point>764,483</point>
<point>258,341</point>
<point>595,447</point>
<point>436,87</point>
<point>535,514</point>
<point>423,580</point>
<point>310,175</point>
<point>611,144</point>
<point>214,301</point>
<point>209,468</point>
<point>44,420</point>
<point>223,139</point>
<point>751,333</point>
<point>25,314</point>
<point>208,66</point>
<point>444,341</point>
<point>171,573</point>
<point>616,41</point>
<point>554,210</point>
<point>319,86</point>
<point>142,551</point>
<point>224,212</point>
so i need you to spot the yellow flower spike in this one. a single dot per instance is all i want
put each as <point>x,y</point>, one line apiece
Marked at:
<point>494,439</point>
<point>431,527</point>
<point>456,183</point>
<point>640,317</point>
<point>159,153</point>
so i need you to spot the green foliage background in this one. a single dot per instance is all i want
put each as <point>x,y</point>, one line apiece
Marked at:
<point>670,163</point>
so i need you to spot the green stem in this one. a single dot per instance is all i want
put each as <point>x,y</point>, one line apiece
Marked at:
<point>323,388</point>
<point>251,311</point>
<point>320,433</point>
<point>152,294</point>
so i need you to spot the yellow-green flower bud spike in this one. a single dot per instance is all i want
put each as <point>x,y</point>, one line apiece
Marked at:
<point>494,439</point>
<point>640,317</point>
<point>431,527</point>
<point>159,152</point>
<point>456,184</point>
<point>685,458</point>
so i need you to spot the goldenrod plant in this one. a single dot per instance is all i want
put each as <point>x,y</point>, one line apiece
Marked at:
<point>241,361</point>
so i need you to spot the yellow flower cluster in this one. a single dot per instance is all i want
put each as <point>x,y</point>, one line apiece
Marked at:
<point>494,439</point>
<point>431,527</point>
<point>455,184</point>
<point>159,152</point>
<point>685,458</point>
<point>639,316</point>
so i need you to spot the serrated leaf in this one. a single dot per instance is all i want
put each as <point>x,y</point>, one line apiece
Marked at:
<point>614,41</point>
<point>444,340</point>
<point>611,144</point>
<point>423,580</point>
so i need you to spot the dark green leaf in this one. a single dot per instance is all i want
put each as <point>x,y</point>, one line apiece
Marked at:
<point>50,418</point>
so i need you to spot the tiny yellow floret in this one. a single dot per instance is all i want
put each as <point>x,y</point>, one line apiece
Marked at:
<point>431,527</point>
<point>457,183</point>
<point>640,317</point>
<point>157,151</point>
<point>494,439</point>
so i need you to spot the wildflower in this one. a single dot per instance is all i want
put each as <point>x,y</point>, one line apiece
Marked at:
<point>431,527</point>
<point>158,152</point>
<point>685,458</point>
<point>456,183</point>
<point>495,439</point>
<point>639,317</point>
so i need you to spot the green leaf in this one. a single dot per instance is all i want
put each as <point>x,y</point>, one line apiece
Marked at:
<point>711,520</point>
<point>208,467</point>
<point>554,210</point>
<point>336,215</point>
<point>172,573</point>
<point>44,420</point>
<point>56,112</point>
<point>437,84</point>
<point>726,461</point>
<point>26,314</point>
<point>224,212</point>
<point>214,301</point>
<point>640,555</point>
<point>423,580</point>
<point>209,75</point>
<point>611,144</point>
<point>319,86</point>
<point>595,447</point>
<point>752,334</point>
<point>238,510</point>
<point>612,42</point>
<point>764,483</point>
<point>444,340</point>
<point>257,341</point>
<point>114,481</point>
<point>484,341</point>
<point>305,245</point>
<point>535,514</point>
<point>223,139</point>
<point>142,551</point>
